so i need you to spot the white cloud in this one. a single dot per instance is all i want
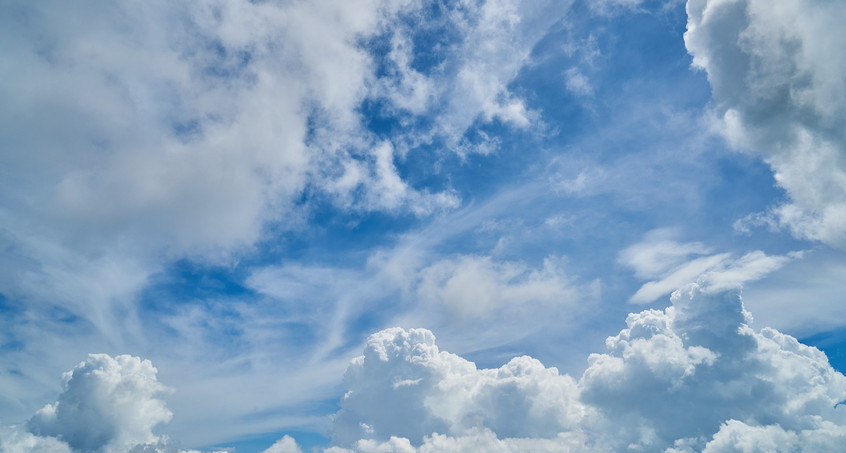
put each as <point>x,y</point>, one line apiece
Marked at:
<point>135,135</point>
<point>577,82</point>
<point>404,386</point>
<point>479,287</point>
<point>776,76</point>
<point>286,444</point>
<point>692,377</point>
<point>671,264</point>
<point>16,440</point>
<point>108,405</point>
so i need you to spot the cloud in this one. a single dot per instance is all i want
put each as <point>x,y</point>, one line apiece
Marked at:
<point>479,287</point>
<point>286,444</point>
<point>137,135</point>
<point>404,386</point>
<point>776,78</point>
<point>672,264</point>
<point>17,440</point>
<point>694,376</point>
<point>108,405</point>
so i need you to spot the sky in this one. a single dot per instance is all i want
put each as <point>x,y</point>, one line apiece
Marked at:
<point>422,226</point>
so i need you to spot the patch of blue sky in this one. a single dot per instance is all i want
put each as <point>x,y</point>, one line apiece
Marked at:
<point>833,344</point>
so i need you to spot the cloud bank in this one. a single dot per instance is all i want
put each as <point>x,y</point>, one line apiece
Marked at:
<point>693,377</point>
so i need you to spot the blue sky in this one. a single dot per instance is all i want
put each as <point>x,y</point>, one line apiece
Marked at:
<point>231,200</point>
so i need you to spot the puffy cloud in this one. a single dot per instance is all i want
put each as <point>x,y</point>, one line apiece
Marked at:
<point>671,264</point>
<point>477,440</point>
<point>286,444</point>
<point>678,374</point>
<point>694,376</point>
<point>16,440</point>
<point>404,386</point>
<point>109,405</point>
<point>776,77</point>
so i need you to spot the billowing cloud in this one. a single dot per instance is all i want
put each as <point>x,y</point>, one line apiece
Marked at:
<point>694,376</point>
<point>404,386</point>
<point>286,444</point>
<point>109,405</point>
<point>776,73</point>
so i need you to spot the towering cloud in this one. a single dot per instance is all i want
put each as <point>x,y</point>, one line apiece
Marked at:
<point>776,72</point>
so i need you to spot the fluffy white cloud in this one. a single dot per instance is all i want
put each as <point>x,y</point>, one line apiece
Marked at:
<point>694,376</point>
<point>404,386</point>
<point>776,72</point>
<point>286,444</point>
<point>108,405</point>
<point>670,264</point>
<point>673,377</point>
<point>17,440</point>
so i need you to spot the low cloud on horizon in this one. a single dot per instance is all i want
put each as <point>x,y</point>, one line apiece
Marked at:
<point>693,377</point>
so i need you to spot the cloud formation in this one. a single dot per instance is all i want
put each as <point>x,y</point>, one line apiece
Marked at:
<point>109,405</point>
<point>776,74</point>
<point>669,264</point>
<point>137,135</point>
<point>694,376</point>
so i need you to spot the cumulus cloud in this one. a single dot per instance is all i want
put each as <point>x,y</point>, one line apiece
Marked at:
<point>776,73</point>
<point>694,376</point>
<point>109,405</point>
<point>669,264</point>
<point>404,386</point>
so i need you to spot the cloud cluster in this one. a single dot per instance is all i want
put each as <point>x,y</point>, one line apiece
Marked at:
<point>694,376</point>
<point>776,73</point>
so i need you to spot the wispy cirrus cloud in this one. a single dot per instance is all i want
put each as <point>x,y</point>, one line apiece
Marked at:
<point>669,265</point>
